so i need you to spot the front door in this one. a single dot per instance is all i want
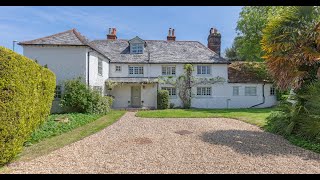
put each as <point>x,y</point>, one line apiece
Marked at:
<point>135,96</point>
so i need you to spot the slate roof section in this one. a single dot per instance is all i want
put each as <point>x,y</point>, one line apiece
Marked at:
<point>247,72</point>
<point>159,51</point>
<point>67,38</point>
<point>70,37</point>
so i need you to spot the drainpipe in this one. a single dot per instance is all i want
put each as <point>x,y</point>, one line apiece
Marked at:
<point>263,97</point>
<point>88,64</point>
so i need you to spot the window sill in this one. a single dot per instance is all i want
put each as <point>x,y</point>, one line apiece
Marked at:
<point>204,74</point>
<point>173,75</point>
<point>198,96</point>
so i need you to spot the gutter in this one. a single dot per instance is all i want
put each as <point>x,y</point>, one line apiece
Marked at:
<point>263,97</point>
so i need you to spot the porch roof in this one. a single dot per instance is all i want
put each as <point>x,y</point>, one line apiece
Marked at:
<point>134,79</point>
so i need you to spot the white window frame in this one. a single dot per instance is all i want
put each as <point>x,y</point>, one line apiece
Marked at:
<point>135,70</point>
<point>272,91</point>
<point>248,91</point>
<point>172,91</point>
<point>204,91</point>
<point>236,89</point>
<point>58,92</point>
<point>203,69</point>
<point>168,70</point>
<point>118,68</point>
<point>100,67</point>
<point>136,48</point>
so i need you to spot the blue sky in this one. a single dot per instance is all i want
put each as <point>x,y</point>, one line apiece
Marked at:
<point>147,22</point>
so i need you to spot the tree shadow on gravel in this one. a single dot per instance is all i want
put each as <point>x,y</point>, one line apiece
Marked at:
<point>256,143</point>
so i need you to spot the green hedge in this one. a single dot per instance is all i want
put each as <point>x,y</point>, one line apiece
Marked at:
<point>26,95</point>
<point>163,99</point>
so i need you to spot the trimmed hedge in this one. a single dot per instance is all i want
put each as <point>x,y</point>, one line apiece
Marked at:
<point>26,95</point>
<point>163,99</point>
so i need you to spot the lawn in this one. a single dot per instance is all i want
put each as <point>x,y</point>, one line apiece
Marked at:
<point>252,116</point>
<point>55,139</point>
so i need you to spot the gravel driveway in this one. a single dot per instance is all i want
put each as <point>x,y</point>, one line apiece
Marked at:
<point>185,145</point>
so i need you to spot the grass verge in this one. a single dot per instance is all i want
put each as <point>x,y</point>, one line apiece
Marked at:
<point>253,116</point>
<point>48,145</point>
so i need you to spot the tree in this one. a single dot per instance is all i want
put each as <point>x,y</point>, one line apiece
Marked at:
<point>291,42</point>
<point>249,29</point>
<point>186,81</point>
<point>232,54</point>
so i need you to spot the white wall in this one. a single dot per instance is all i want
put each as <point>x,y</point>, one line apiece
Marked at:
<point>68,63</point>
<point>222,97</point>
<point>65,62</point>
<point>122,95</point>
<point>94,78</point>
<point>155,70</point>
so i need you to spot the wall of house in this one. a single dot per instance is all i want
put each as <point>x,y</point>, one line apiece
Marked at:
<point>94,78</point>
<point>122,95</point>
<point>243,101</point>
<point>65,62</point>
<point>155,70</point>
<point>222,97</point>
<point>68,63</point>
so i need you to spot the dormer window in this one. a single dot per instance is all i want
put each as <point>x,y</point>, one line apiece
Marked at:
<point>136,48</point>
<point>136,45</point>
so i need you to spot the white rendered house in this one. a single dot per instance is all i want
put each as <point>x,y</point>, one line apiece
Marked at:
<point>136,64</point>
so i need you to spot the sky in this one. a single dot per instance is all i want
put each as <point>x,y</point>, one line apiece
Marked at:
<point>148,22</point>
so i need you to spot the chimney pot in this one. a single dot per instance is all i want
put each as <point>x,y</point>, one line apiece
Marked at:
<point>215,30</point>
<point>112,34</point>
<point>171,36</point>
<point>211,30</point>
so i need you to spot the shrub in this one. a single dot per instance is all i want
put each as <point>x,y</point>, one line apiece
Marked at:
<point>77,97</point>
<point>163,99</point>
<point>26,95</point>
<point>299,115</point>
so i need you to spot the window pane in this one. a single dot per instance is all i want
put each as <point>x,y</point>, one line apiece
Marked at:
<point>198,91</point>
<point>198,69</point>
<point>164,70</point>
<point>236,91</point>
<point>250,91</point>
<point>208,91</point>
<point>173,70</point>
<point>99,66</point>
<point>173,91</point>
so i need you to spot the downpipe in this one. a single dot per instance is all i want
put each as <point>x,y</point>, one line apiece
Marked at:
<point>263,98</point>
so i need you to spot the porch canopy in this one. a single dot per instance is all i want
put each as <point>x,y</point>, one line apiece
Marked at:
<point>143,80</point>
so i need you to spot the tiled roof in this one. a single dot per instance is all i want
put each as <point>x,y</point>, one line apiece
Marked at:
<point>70,37</point>
<point>159,51</point>
<point>156,51</point>
<point>247,72</point>
<point>67,38</point>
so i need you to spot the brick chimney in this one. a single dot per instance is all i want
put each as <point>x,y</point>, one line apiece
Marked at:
<point>171,36</point>
<point>112,34</point>
<point>214,40</point>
